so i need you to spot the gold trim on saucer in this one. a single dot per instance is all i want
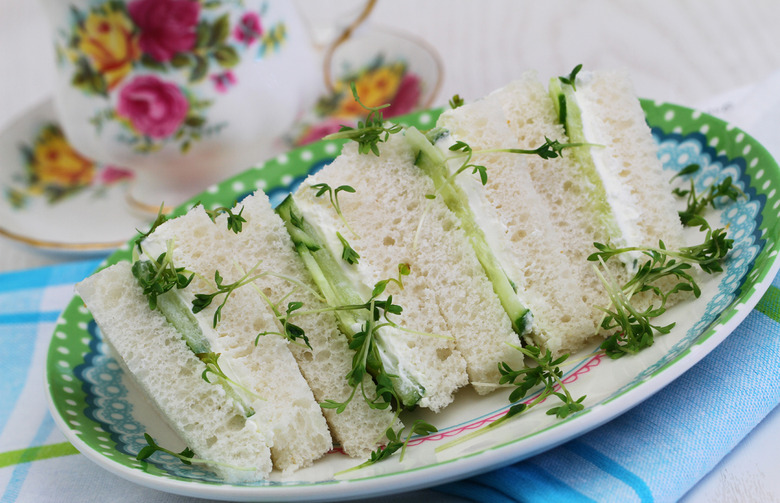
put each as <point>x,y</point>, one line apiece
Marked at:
<point>56,245</point>
<point>146,209</point>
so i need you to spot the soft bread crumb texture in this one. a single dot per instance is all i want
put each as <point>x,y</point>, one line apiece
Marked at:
<point>359,428</point>
<point>268,368</point>
<point>208,421</point>
<point>619,113</point>
<point>534,249</point>
<point>446,293</point>
<point>531,115</point>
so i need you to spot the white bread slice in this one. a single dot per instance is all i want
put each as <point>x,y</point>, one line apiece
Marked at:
<point>519,227</point>
<point>325,366</point>
<point>630,153</point>
<point>156,356</point>
<point>300,432</point>
<point>446,293</point>
<point>531,115</point>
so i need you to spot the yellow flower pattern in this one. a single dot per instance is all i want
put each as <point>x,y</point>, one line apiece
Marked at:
<point>109,41</point>
<point>56,163</point>
<point>53,169</point>
<point>375,86</point>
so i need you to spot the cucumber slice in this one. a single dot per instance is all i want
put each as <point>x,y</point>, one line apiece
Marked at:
<point>339,291</point>
<point>591,176</point>
<point>178,313</point>
<point>433,163</point>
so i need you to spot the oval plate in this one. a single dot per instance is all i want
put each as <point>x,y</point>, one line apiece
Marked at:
<point>102,413</point>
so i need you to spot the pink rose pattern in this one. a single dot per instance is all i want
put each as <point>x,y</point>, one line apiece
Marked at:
<point>320,130</point>
<point>166,26</point>
<point>189,37</point>
<point>406,98</point>
<point>248,29</point>
<point>154,107</point>
<point>113,174</point>
<point>223,81</point>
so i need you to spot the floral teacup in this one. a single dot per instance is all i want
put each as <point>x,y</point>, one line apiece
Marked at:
<point>182,92</point>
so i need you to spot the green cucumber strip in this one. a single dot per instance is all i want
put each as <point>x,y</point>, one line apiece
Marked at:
<point>326,271</point>
<point>433,163</point>
<point>179,315</point>
<point>324,268</point>
<point>570,115</point>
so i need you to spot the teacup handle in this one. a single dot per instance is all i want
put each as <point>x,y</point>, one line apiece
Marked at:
<point>324,23</point>
<point>345,35</point>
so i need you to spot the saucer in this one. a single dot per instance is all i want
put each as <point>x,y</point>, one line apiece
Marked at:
<point>52,197</point>
<point>392,70</point>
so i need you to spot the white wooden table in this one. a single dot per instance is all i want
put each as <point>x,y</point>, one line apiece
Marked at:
<point>684,51</point>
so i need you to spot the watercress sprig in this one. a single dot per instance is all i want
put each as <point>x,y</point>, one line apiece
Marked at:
<point>697,203</point>
<point>368,133</point>
<point>366,360</point>
<point>333,195</point>
<point>708,255</point>
<point>572,77</point>
<point>187,456</point>
<point>348,254</point>
<point>634,330</point>
<point>544,372</point>
<point>456,102</point>
<point>157,276</point>
<point>203,300</point>
<point>550,149</point>
<point>397,441</point>
<point>235,222</point>
<point>158,221</point>
<point>290,331</point>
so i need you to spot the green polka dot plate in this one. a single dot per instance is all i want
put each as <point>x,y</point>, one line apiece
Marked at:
<point>103,414</point>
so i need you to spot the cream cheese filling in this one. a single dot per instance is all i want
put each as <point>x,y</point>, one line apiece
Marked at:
<point>486,217</point>
<point>623,203</point>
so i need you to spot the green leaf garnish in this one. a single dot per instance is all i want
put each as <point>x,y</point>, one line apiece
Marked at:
<point>234,221</point>
<point>366,359</point>
<point>456,101</point>
<point>157,276</point>
<point>545,372</point>
<point>159,220</point>
<point>550,149</point>
<point>396,442</point>
<point>369,133</point>
<point>696,204</point>
<point>333,195</point>
<point>203,300</point>
<point>186,456</point>
<point>349,255</point>
<point>572,77</point>
<point>634,330</point>
<point>290,331</point>
<point>211,360</point>
<point>687,170</point>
